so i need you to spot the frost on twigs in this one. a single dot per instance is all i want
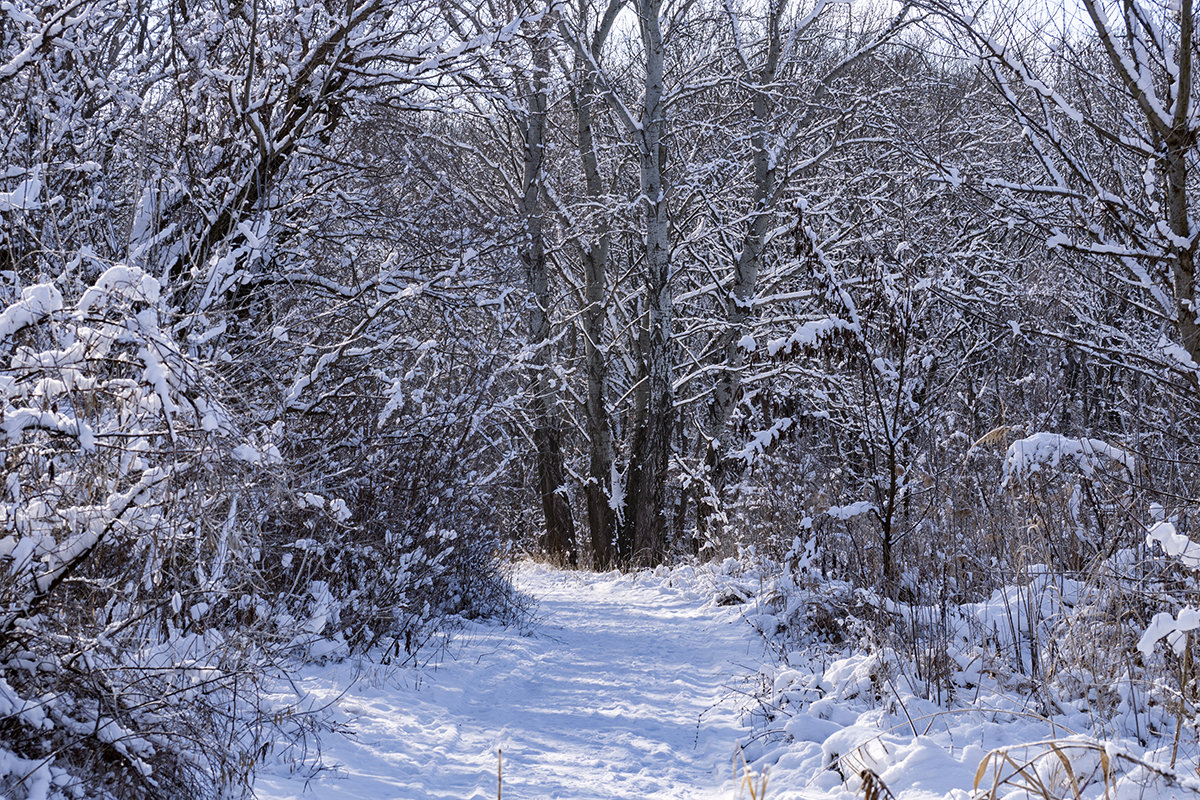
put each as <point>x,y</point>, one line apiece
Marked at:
<point>122,549</point>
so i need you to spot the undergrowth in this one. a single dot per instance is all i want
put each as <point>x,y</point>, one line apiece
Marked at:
<point>1051,659</point>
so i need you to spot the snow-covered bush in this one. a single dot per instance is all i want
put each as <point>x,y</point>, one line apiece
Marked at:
<point>391,504</point>
<point>1052,655</point>
<point>1173,627</point>
<point>377,578</point>
<point>128,626</point>
<point>1077,492</point>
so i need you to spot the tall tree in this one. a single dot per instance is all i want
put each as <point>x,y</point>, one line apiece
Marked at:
<point>642,505</point>
<point>591,234</point>
<point>547,387</point>
<point>1111,130</point>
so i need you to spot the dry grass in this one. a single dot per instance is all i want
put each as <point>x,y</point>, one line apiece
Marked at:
<point>873,786</point>
<point>1053,770</point>
<point>756,785</point>
<point>1071,770</point>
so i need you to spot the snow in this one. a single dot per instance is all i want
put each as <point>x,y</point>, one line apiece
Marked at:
<point>1177,353</point>
<point>340,510</point>
<point>810,334</point>
<point>863,712</point>
<point>645,686</point>
<point>37,302</point>
<point>850,511</point>
<point>121,280</point>
<point>24,197</point>
<point>1059,239</point>
<point>761,440</point>
<point>247,453</point>
<point>1173,629</point>
<point>616,499</point>
<point>1163,625</point>
<point>1174,543</point>
<point>18,420</point>
<point>1029,455</point>
<point>619,690</point>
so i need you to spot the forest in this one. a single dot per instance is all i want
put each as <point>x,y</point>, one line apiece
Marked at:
<point>318,314</point>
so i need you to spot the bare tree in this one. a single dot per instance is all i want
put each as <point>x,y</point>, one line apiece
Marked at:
<point>1110,126</point>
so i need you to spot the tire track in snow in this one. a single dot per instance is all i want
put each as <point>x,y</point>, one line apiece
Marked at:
<point>619,691</point>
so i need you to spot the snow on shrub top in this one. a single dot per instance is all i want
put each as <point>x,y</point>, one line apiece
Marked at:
<point>121,281</point>
<point>1164,626</point>
<point>1027,456</point>
<point>1174,543</point>
<point>810,334</point>
<point>36,303</point>
<point>25,196</point>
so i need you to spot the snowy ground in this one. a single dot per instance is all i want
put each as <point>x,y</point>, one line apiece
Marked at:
<point>635,687</point>
<point>619,690</point>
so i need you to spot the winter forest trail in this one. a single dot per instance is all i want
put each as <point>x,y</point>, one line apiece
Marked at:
<point>620,689</point>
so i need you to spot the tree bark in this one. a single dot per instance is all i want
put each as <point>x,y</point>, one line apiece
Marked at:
<point>739,304</point>
<point>593,247</point>
<point>594,255</point>
<point>559,536</point>
<point>644,521</point>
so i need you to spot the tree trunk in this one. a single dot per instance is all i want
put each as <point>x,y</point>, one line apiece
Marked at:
<point>1179,144</point>
<point>739,304</point>
<point>559,537</point>
<point>1175,140</point>
<point>646,499</point>
<point>594,256</point>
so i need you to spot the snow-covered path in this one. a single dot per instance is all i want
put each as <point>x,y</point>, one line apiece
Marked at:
<point>620,690</point>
